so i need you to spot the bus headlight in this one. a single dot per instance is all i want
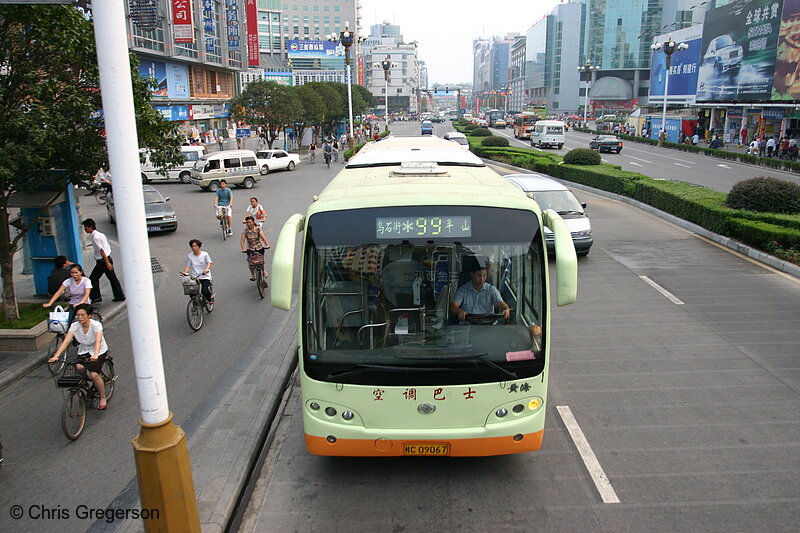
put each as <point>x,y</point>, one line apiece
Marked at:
<point>347,415</point>
<point>501,412</point>
<point>330,411</point>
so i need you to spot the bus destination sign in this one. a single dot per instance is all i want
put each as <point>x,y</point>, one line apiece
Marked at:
<point>422,227</point>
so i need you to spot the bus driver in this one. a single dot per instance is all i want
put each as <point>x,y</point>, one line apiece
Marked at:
<point>477,297</point>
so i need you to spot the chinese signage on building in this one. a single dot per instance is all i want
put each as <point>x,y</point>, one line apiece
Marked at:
<point>182,27</point>
<point>684,67</point>
<point>313,49</point>
<point>739,44</point>
<point>251,12</point>
<point>787,61</point>
<point>232,23</point>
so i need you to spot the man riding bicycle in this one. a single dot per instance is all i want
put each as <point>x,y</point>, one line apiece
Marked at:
<point>223,203</point>
<point>253,237</point>
<point>327,152</point>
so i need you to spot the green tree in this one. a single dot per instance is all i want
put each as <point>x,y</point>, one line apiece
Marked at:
<point>335,106</point>
<point>269,105</point>
<point>49,101</point>
<point>312,109</point>
<point>368,98</point>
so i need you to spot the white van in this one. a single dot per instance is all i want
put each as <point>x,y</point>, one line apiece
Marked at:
<point>237,167</point>
<point>183,172</point>
<point>548,133</point>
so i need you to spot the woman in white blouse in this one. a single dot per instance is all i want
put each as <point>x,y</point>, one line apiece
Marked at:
<point>91,345</point>
<point>79,289</point>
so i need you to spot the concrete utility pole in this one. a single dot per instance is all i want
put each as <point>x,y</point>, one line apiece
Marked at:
<point>162,458</point>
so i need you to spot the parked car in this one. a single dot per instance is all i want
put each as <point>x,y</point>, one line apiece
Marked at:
<point>272,160</point>
<point>457,137</point>
<point>426,128</point>
<point>237,167</point>
<point>606,143</point>
<point>551,194</point>
<point>159,214</point>
<point>723,53</point>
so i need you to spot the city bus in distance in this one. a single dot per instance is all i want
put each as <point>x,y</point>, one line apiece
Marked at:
<point>386,368</point>
<point>523,124</point>
<point>493,115</point>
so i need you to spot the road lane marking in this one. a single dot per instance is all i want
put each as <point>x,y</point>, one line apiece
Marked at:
<point>682,165</point>
<point>589,459</point>
<point>640,159</point>
<point>723,166</point>
<point>632,163</point>
<point>662,290</point>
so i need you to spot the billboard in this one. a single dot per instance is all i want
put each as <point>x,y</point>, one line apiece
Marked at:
<point>739,43</point>
<point>313,49</point>
<point>251,15</point>
<point>684,67</point>
<point>172,79</point>
<point>182,27</point>
<point>787,61</point>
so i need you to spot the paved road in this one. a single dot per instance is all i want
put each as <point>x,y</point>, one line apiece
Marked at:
<point>665,163</point>
<point>692,409</point>
<point>42,467</point>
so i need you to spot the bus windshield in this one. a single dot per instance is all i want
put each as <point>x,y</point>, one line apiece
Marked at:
<point>378,285</point>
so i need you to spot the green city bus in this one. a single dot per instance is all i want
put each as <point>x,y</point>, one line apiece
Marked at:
<point>386,367</point>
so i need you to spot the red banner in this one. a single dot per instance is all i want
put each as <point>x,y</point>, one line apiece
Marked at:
<point>182,27</point>
<point>251,12</point>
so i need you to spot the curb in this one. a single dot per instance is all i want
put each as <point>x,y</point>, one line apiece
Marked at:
<point>757,255</point>
<point>34,359</point>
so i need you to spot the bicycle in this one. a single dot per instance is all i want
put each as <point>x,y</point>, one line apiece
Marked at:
<point>224,225</point>
<point>57,367</point>
<point>99,189</point>
<point>197,302</point>
<point>328,159</point>
<point>80,392</point>
<point>256,259</point>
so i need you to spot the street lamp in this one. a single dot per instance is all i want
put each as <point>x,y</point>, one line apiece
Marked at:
<point>589,69</point>
<point>346,38</point>
<point>387,66</point>
<point>668,47</point>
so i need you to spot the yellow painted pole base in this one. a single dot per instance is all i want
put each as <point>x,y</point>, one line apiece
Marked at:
<point>165,478</point>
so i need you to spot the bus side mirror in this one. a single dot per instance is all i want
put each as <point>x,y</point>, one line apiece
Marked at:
<point>566,259</point>
<point>283,262</point>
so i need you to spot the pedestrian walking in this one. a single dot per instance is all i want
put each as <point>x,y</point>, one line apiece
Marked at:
<point>762,147</point>
<point>221,142</point>
<point>695,139</point>
<point>104,265</point>
<point>770,146</point>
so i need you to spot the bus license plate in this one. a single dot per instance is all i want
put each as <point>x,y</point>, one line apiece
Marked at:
<point>426,448</point>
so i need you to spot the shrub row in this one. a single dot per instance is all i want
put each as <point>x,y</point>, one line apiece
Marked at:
<point>702,206</point>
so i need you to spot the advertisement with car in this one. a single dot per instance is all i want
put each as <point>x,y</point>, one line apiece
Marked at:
<point>739,45</point>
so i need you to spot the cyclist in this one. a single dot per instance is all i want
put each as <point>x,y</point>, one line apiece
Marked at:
<point>198,264</point>
<point>255,210</point>
<point>253,237</point>
<point>91,342</point>
<point>223,203</point>
<point>79,289</point>
<point>335,146</point>
<point>327,152</point>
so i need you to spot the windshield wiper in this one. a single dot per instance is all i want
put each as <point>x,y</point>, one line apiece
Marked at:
<point>459,357</point>
<point>568,212</point>
<point>362,368</point>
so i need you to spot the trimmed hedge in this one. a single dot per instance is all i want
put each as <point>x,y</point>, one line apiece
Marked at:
<point>481,132</point>
<point>753,231</point>
<point>494,141</point>
<point>582,156</point>
<point>765,194</point>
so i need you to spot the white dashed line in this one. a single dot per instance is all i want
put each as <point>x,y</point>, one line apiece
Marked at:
<point>723,166</point>
<point>662,290</point>
<point>589,459</point>
<point>632,163</point>
<point>682,165</point>
<point>640,159</point>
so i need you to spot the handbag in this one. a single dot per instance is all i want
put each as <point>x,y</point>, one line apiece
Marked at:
<point>58,321</point>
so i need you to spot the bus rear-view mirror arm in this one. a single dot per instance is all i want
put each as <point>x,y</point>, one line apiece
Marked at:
<point>283,262</point>
<point>566,259</point>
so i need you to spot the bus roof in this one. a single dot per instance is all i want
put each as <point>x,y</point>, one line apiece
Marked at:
<point>404,171</point>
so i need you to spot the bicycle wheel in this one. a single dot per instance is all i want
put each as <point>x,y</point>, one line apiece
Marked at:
<point>224,227</point>
<point>58,366</point>
<point>260,282</point>
<point>194,314</point>
<point>73,416</point>
<point>109,377</point>
<point>101,196</point>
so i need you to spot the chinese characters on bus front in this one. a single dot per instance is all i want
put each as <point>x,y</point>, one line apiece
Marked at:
<point>428,226</point>
<point>469,393</point>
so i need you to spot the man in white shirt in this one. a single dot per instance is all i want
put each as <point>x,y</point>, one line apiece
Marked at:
<point>103,264</point>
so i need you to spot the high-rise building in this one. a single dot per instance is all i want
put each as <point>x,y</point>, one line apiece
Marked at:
<point>403,76</point>
<point>491,62</point>
<point>516,81</point>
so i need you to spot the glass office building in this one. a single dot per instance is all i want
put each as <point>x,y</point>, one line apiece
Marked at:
<point>618,33</point>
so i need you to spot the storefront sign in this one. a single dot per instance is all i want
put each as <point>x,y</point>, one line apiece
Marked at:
<point>313,49</point>
<point>173,113</point>
<point>205,111</point>
<point>182,24</point>
<point>739,43</point>
<point>773,113</point>
<point>281,78</point>
<point>251,12</point>
<point>673,128</point>
<point>232,23</point>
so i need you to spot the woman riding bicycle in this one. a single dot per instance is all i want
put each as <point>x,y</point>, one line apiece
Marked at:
<point>253,236</point>
<point>198,264</point>
<point>255,210</point>
<point>91,343</point>
<point>79,288</point>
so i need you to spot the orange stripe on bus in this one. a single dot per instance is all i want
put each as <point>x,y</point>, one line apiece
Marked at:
<point>392,448</point>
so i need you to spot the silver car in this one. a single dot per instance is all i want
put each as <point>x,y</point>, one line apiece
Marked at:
<point>159,214</point>
<point>723,53</point>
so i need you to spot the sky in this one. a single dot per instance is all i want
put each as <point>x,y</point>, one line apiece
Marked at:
<point>445,29</point>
